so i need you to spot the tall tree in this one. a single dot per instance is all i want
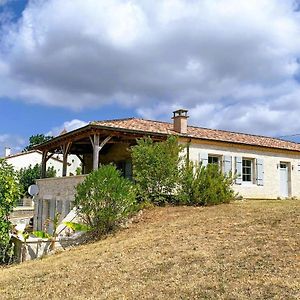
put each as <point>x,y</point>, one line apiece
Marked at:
<point>37,139</point>
<point>10,192</point>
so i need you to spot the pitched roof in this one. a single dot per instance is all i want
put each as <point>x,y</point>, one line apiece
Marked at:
<point>30,152</point>
<point>149,126</point>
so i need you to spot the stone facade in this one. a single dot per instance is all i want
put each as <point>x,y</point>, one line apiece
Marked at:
<point>56,195</point>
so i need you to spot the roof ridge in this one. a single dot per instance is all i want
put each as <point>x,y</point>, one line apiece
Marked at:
<point>112,120</point>
<point>29,152</point>
<point>130,118</point>
<point>22,153</point>
<point>205,128</point>
<point>244,133</point>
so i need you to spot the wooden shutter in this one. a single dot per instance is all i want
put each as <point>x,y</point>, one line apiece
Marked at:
<point>260,172</point>
<point>227,164</point>
<point>203,158</point>
<point>128,170</point>
<point>238,170</point>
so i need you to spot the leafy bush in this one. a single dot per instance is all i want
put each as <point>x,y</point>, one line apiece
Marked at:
<point>188,190</point>
<point>155,168</point>
<point>9,194</point>
<point>201,185</point>
<point>105,198</point>
<point>30,174</point>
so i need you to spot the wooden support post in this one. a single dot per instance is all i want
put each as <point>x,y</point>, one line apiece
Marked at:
<point>82,163</point>
<point>45,158</point>
<point>44,164</point>
<point>96,150</point>
<point>65,151</point>
<point>97,147</point>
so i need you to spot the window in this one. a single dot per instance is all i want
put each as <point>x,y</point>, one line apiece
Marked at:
<point>247,170</point>
<point>125,167</point>
<point>213,159</point>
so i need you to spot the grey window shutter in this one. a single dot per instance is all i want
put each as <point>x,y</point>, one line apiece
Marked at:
<point>203,158</point>
<point>128,169</point>
<point>238,170</point>
<point>227,164</point>
<point>260,171</point>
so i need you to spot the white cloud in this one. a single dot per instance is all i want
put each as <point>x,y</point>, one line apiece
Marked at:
<point>231,63</point>
<point>16,143</point>
<point>68,126</point>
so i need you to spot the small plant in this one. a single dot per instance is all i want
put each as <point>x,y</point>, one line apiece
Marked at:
<point>77,226</point>
<point>199,185</point>
<point>41,234</point>
<point>53,236</point>
<point>104,199</point>
<point>78,171</point>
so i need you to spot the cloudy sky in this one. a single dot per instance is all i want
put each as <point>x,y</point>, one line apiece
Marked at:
<point>234,64</point>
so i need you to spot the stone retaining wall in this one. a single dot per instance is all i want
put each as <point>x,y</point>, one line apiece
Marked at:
<point>56,195</point>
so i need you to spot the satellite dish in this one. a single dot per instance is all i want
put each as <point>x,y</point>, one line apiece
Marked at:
<point>33,190</point>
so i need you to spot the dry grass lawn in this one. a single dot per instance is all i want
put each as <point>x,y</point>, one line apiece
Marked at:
<point>244,250</point>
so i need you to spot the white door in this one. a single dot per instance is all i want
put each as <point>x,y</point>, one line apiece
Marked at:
<point>284,180</point>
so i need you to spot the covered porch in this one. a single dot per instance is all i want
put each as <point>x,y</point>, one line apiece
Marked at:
<point>94,146</point>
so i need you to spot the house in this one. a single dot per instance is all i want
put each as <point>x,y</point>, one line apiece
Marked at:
<point>266,168</point>
<point>31,158</point>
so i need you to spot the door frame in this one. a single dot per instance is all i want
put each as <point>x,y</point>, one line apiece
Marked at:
<point>288,178</point>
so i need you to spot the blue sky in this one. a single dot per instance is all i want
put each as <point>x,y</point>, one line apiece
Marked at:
<point>234,65</point>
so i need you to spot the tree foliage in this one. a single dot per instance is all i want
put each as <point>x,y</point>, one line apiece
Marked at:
<point>37,139</point>
<point>9,194</point>
<point>155,168</point>
<point>199,185</point>
<point>163,174</point>
<point>29,175</point>
<point>104,199</point>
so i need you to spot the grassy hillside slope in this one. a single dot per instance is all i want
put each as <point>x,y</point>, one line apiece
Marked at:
<point>244,250</point>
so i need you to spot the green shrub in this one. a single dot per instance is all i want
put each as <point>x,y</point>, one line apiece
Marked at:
<point>9,194</point>
<point>155,169</point>
<point>201,185</point>
<point>104,199</point>
<point>188,189</point>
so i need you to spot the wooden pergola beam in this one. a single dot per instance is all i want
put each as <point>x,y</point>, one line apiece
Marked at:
<point>87,140</point>
<point>90,131</point>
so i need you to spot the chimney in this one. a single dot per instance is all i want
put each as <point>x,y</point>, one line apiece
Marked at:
<point>180,120</point>
<point>7,151</point>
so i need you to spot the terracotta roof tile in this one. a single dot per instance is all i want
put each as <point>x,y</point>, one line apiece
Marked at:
<point>149,126</point>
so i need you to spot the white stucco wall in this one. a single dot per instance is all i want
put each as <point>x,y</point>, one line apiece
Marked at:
<point>33,158</point>
<point>73,163</point>
<point>271,186</point>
